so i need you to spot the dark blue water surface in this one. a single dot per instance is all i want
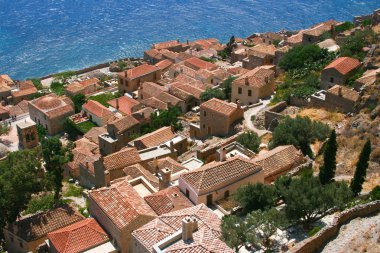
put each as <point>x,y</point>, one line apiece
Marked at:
<point>39,37</point>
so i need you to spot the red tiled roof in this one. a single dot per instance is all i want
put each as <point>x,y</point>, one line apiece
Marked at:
<point>121,159</point>
<point>164,64</point>
<point>141,70</point>
<point>155,103</point>
<point>169,99</point>
<point>219,106</point>
<point>153,53</point>
<point>205,239</point>
<point>279,160</point>
<point>126,104</point>
<point>257,77</point>
<point>151,89</point>
<point>157,137</point>
<point>166,44</point>
<point>124,123</point>
<point>168,200</point>
<point>200,64</point>
<point>53,106</point>
<point>220,173</point>
<point>192,90</point>
<point>343,65</point>
<point>78,237</point>
<point>97,109</point>
<point>137,170</point>
<point>39,225</point>
<point>262,50</point>
<point>93,134</point>
<point>121,203</point>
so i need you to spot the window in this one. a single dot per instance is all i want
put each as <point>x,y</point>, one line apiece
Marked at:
<point>249,93</point>
<point>239,90</point>
<point>204,113</point>
<point>331,79</point>
<point>204,126</point>
<point>187,193</point>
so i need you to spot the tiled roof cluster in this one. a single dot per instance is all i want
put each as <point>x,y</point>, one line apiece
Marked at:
<point>216,174</point>
<point>166,44</point>
<point>124,123</point>
<point>166,162</point>
<point>197,64</point>
<point>96,108</point>
<point>26,88</point>
<point>137,170</point>
<point>139,71</point>
<point>124,104</point>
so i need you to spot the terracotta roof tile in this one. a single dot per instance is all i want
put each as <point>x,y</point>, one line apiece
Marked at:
<point>219,106</point>
<point>94,133</point>
<point>141,70</point>
<point>279,160</point>
<point>169,99</point>
<point>124,123</point>
<point>121,203</point>
<point>137,170</point>
<point>155,103</point>
<point>205,239</point>
<point>166,162</point>
<point>257,77</point>
<point>97,109</point>
<point>262,50</point>
<point>152,89</point>
<point>344,92</point>
<point>157,137</point>
<point>166,44</point>
<point>343,65</point>
<point>168,200</point>
<point>53,105</point>
<point>125,103</point>
<point>153,53</point>
<point>78,237</point>
<point>164,64</point>
<point>121,159</point>
<point>218,173</point>
<point>197,63</point>
<point>38,225</point>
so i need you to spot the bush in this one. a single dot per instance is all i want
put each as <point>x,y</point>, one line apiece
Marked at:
<point>104,98</point>
<point>57,87</point>
<point>212,93</point>
<point>353,46</point>
<point>344,27</point>
<point>78,100</point>
<point>41,203</point>
<point>375,193</point>
<point>42,132</point>
<point>255,196</point>
<point>314,231</point>
<point>249,140</point>
<point>208,59</point>
<point>73,191</point>
<point>37,83</point>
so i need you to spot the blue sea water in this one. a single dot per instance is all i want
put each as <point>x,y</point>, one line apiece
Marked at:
<point>39,37</point>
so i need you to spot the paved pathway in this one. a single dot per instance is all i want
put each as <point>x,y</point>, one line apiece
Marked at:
<point>253,112</point>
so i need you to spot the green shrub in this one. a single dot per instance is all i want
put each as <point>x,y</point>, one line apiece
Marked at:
<point>37,83</point>
<point>314,231</point>
<point>344,27</point>
<point>57,87</point>
<point>73,191</point>
<point>212,93</point>
<point>375,193</point>
<point>104,98</point>
<point>250,140</point>
<point>42,203</point>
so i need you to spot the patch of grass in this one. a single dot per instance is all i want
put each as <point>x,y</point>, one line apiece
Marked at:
<point>73,191</point>
<point>104,98</point>
<point>37,83</point>
<point>42,203</point>
<point>314,231</point>
<point>86,126</point>
<point>57,87</point>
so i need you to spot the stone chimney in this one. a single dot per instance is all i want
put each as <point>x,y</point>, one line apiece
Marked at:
<point>246,81</point>
<point>87,164</point>
<point>107,178</point>
<point>238,104</point>
<point>189,225</point>
<point>187,42</point>
<point>155,165</point>
<point>177,40</point>
<point>333,32</point>
<point>171,145</point>
<point>165,178</point>
<point>222,154</point>
<point>117,103</point>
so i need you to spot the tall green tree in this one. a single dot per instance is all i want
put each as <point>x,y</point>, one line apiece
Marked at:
<point>250,140</point>
<point>212,93</point>
<point>234,231</point>
<point>78,100</point>
<point>361,169</point>
<point>20,178</point>
<point>255,196</point>
<point>327,171</point>
<point>55,155</point>
<point>227,86</point>
<point>300,132</point>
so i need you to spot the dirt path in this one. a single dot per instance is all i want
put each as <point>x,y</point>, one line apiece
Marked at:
<point>359,235</point>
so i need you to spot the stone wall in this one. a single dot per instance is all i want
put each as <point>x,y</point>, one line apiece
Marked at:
<point>316,242</point>
<point>273,113</point>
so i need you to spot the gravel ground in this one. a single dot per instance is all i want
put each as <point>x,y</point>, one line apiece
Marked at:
<point>359,235</point>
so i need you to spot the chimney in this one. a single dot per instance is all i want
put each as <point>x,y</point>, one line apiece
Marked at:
<point>333,33</point>
<point>189,225</point>
<point>117,103</point>
<point>107,178</point>
<point>155,165</point>
<point>222,154</point>
<point>177,40</point>
<point>171,146</point>
<point>165,178</point>
<point>246,81</point>
<point>238,104</point>
<point>340,91</point>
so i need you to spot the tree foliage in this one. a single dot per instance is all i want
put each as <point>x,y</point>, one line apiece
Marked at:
<point>234,231</point>
<point>212,93</point>
<point>163,118</point>
<point>78,100</point>
<point>353,45</point>
<point>361,169</point>
<point>307,199</point>
<point>227,86</point>
<point>300,132</point>
<point>255,196</point>
<point>327,171</point>
<point>19,179</point>
<point>55,155</point>
<point>250,140</point>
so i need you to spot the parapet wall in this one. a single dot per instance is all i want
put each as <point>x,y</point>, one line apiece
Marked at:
<point>316,242</point>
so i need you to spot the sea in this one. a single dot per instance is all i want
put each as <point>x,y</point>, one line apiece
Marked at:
<point>40,37</point>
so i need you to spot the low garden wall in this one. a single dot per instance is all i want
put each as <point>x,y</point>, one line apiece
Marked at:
<point>326,234</point>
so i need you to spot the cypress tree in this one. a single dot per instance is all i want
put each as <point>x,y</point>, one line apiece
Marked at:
<point>361,169</point>
<point>327,171</point>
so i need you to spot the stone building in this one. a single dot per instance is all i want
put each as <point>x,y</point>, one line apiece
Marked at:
<point>120,210</point>
<point>252,86</point>
<point>29,234</point>
<point>193,229</point>
<point>24,91</point>
<point>27,134</point>
<point>51,112</point>
<point>96,112</point>
<point>119,133</point>
<point>84,87</point>
<point>338,72</point>
<point>315,33</point>
<point>217,118</point>
<point>219,180</point>
<point>130,80</point>
<point>259,55</point>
